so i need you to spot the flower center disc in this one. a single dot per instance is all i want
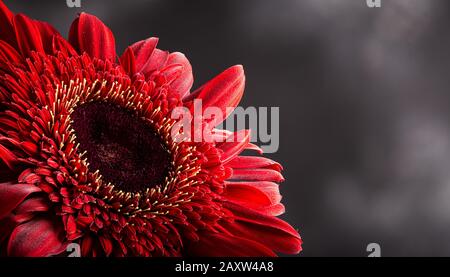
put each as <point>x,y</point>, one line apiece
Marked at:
<point>124,148</point>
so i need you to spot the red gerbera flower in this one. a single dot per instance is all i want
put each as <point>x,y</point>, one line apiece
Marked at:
<point>86,154</point>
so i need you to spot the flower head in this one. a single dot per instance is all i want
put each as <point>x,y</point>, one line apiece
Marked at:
<point>87,155</point>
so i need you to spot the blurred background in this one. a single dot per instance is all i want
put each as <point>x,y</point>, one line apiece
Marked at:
<point>364,97</point>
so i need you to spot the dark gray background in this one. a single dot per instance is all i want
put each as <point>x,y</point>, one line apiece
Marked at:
<point>363,96</point>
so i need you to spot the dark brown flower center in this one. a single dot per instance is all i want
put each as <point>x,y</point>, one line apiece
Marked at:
<point>124,148</point>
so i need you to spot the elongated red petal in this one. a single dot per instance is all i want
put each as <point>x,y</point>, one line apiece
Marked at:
<point>221,245</point>
<point>253,198</point>
<point>219,135</point>
<point>106,245</point>
<point>128,62</point>
<point>249,195</point>
<point>28,35</point>
<point>87,243</point>
<point>254,147</point>
<point>62,45</point>
<point>271,189</point>
<point>11,195</point>
<point>89,34</point>
<point>254,162</point>
<point>8,53</point>
<point>257,175</point>
<point>224,92</point>
<point>171,73</point>
<point>40,237</point>
<point>7,157</point>
<point>268,230</point>
<point>7,30</point>
<point>47,32</point>
<point>239,141</point>
<point>149,59</point>
<point>25,34</point>
<point>143,50</point>
<point>38,204</point>
<point>183,84</point>
<point>157,61</point>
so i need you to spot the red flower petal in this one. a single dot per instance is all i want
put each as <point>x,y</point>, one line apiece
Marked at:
<point>47,33</point>
<point>106,245</point>
<point>7,34</point>
<point>183,84</point>
<point>89,34</point>
<point>143,50</point>
<point>37,238</point>
<point>60,44</point>
<point>11,195</point>
<point>157,61</point>
<point>254,162</point>
<point>257,175</point>
<point>171,73</point>
<point>268,230</point>
<point>148,59</point>
<point>28,208</point>
<point>224,91</point>
<point>128,62</point>
<point>87,243</point>
<point>219,135</point>
<point>221,245</point>
<point>70,225</point>
<point>8,53</point>
<point>254,147</point>
<point>28,35</point>
<point>231,149</point>
<point>32,205</point>
<point>271,189</point>
<point>253,198</point>
<point>25,34</point>
<point>249,195</point>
